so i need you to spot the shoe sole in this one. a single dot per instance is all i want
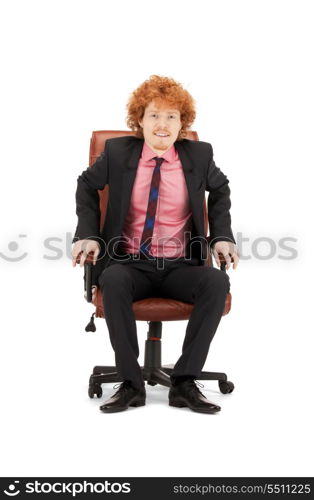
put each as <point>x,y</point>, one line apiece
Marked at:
<point>184,405</point>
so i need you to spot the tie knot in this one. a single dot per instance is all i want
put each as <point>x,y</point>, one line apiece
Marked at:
<point>158,161</point>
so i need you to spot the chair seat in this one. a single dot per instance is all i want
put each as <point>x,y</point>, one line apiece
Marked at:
<point>157,308</point>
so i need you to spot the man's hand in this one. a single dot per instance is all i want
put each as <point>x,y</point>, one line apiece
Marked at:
<point>84,247</point>
<point>228,250</point>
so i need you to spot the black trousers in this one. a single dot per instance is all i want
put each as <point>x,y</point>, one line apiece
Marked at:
<point>127,281</point>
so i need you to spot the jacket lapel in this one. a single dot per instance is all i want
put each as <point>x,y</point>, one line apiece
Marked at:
<point>129,174</point>
<point>193,181</point>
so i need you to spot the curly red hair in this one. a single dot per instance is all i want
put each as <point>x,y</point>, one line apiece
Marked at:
<point>160,88</point>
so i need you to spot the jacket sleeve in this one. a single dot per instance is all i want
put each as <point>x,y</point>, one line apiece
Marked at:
<point>94,178</point>
<point>218,204</point>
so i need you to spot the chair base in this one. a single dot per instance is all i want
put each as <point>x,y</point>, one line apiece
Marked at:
<point>153,371</point>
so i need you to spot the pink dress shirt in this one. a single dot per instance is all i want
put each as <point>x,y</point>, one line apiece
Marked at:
<point>173,221</point>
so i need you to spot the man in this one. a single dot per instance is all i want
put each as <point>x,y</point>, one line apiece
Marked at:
<point>157,183</point>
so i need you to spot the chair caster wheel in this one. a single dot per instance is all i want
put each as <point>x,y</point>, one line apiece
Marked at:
<point>95,390</point>
<point>226,387</point>
<point>151,383</point>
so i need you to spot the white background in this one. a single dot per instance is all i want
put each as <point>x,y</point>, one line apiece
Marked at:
<point>68,69</point>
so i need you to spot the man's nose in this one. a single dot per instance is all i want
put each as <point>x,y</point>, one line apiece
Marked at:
<point>162,123</point>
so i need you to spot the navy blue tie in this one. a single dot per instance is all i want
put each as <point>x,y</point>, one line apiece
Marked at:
<point>146,239</point>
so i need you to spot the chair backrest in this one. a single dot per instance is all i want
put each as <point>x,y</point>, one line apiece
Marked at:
<point>97,144</point>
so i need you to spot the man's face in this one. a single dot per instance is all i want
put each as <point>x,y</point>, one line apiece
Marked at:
<point>161,125</point>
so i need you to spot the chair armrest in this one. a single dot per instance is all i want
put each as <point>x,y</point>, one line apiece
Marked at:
<point>209,261</point>
<point>220,256</point>
<point>88,276</point>
<point>222,261</point>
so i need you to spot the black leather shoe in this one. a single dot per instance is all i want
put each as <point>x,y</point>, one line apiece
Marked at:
<point>187,394</point>
<point>126,396</point>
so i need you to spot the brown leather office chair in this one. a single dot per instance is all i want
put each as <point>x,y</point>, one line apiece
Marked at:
<point>153,310</point>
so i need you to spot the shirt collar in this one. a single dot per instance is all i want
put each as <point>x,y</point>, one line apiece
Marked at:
<point>170,156</point>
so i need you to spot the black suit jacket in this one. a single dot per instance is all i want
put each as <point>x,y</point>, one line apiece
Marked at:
<point>117,167</point>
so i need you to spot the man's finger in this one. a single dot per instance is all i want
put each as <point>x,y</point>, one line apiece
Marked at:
<point>74,258</point>
<point>227,259</point>
<point>83,258</point>
<point>216,256</point>
<point>96,253</point>
<point>235,259</point>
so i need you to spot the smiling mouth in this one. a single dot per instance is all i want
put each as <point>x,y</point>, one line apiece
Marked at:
<point>161,135</point>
